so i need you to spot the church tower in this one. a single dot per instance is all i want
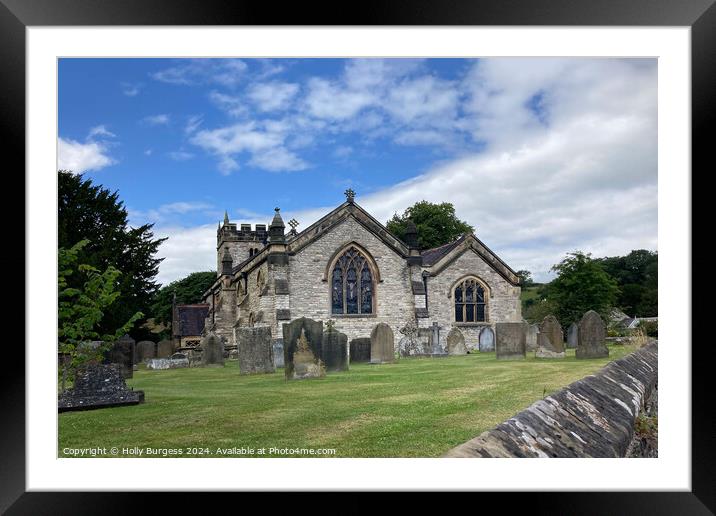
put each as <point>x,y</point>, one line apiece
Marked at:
<point>242,242</point>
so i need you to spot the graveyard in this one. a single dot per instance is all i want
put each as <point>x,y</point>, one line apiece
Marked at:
<point>413,407</point>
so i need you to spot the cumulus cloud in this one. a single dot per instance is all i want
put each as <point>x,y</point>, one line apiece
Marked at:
<point>100,130</point>
<point>272,96</point>
<point>190,72</point>
<point>187,250</point>
<point>81,157</point>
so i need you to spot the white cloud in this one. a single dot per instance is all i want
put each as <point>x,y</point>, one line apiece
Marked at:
<point>187,250</point>
<point>272,96</point>
<point>131,89</point>
<point>100,130</point>
<point>180,155</point>
<point>189,72</point>
<point>82,157</point>
<point>231,104</point>
<point>162,119</point>
<point>343,151</point>
<point>193,123</point>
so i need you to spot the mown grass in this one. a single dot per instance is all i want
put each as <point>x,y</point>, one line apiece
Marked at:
<point>417,407</point>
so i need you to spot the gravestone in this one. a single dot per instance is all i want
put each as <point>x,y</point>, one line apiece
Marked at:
<point>425,340</point>
<point>334,350</point>
<point>486,342</point>
<point>382,346</point>
<point>550,339</point>
<point>165,348</point>
<point>98,386</point>
<point>277,353</point>
<point>456,342</point>
<point>592,337</point>
<point>212,351</point>
<point>532,332</point>
<point>573,335</point>
<point>176,361</point>
<point>435,348</point>
<point>122,352</point>
<point>310,335</point>
<point>146,349</point>
<point>511,340</point>
<point>255,350</point>
<point>360,350</point>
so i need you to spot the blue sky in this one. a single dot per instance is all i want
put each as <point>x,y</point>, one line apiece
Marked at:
<point>543,156</point>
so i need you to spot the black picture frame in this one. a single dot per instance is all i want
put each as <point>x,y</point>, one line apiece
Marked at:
<point>699,15</point>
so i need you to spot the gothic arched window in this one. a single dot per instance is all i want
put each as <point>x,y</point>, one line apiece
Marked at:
<point>470,301</point>
<point>352,284</point>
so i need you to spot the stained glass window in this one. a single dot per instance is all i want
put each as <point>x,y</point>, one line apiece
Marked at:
<point>352,284</point>
<point>470,305</point>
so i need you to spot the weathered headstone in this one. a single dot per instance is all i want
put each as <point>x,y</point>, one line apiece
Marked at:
<point>212,350</point>
<point>511,340</point>
<point>176,361</point>
<point>255,350</point>
<point>435,347</point>
<point>165,348</point>
<point>298,362</point>
<point>334,350</point>
<point>360,350</point>
<point>122,352</point>
<point>550,339</point>
<point>98,386</point>
<point>278,353</point>
<point>532,332</point>
<point>592,337</point>
<point>486,341</point>
<point>382,345</point>
<point>146,349</point>
<point>573,335</point>
<point>456,342</point>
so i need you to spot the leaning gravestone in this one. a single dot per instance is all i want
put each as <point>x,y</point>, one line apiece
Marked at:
<point>303,361</point>
<point>573,335</point>
<point>550,340</point>
<point>486,341</point>
<point>382,345</point>
<point>592,337</point>
<point>334,350</point>
<point>165,348</point>
<point>255,350</point>
<point>511,341</point>
<point>532,332</point>
<point>212,350</point>
<point>277,353</point>
<point>98,386</point>
<point>360,350</point>
<point>146,349</point>
<point>122,352</point>
<point>456,343</point>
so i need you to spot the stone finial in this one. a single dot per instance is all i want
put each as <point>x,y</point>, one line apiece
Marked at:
<point>227,262</point>
<point>350,195</point>
<point>411,234</point>
<point>276,234</point>
<point>226,217</point>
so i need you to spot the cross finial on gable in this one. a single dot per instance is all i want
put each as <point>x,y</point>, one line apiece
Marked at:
<point>293,223</point>
<point>350,195</point>
<point>330,323</point>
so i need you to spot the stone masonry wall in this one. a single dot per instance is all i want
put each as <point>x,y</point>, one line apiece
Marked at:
<point>592,417</point>
<point>503,303</point>
<point>310,295</point>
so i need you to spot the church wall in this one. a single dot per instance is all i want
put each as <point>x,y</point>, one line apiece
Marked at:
<point>503,304</point>
<point>310,295</point>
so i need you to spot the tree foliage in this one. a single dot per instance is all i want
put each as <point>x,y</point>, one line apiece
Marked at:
<point>525,278</point>
<point>637,277</point>
<point>90,212</point>
<point>81,309</point>
<point>437,224</point>
<point>187,290</point>
<point>581,285</point>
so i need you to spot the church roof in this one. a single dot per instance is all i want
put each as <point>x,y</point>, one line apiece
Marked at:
<point>190,319</point>
<point>432,256</point>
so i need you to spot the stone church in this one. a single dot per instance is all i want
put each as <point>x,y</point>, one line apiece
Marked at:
<point>349,268</point>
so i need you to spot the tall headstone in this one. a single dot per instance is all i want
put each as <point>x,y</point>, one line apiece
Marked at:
<point>382,345</point>
<point>278,353</point>
<point>435,347</point>
<point>165,348</point>
<point>592,337</point>
<point>212,350</point>
<point>532,332</point>
<point>550,339</point>
<point>486,341</point>
<point>360,350</point>
<point>334,350</point>
<point>255,350</point>
<point>304,361</point>
<point>146,349</point>
<point>122,352</point>
<point>573,335</point>
<point>511,340</point>
<point>456,342</point>
<point>98,386</point>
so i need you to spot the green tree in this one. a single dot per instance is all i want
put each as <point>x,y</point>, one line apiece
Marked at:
<point>91,212</point>
<point>637,277</point>
<point>525,278</point>
<point>81,309</point>
<point>581,285</point>
<point>187,290</point>
<point>437,224</point>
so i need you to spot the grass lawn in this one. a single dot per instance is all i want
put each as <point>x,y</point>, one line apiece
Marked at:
<point>417,407</point>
